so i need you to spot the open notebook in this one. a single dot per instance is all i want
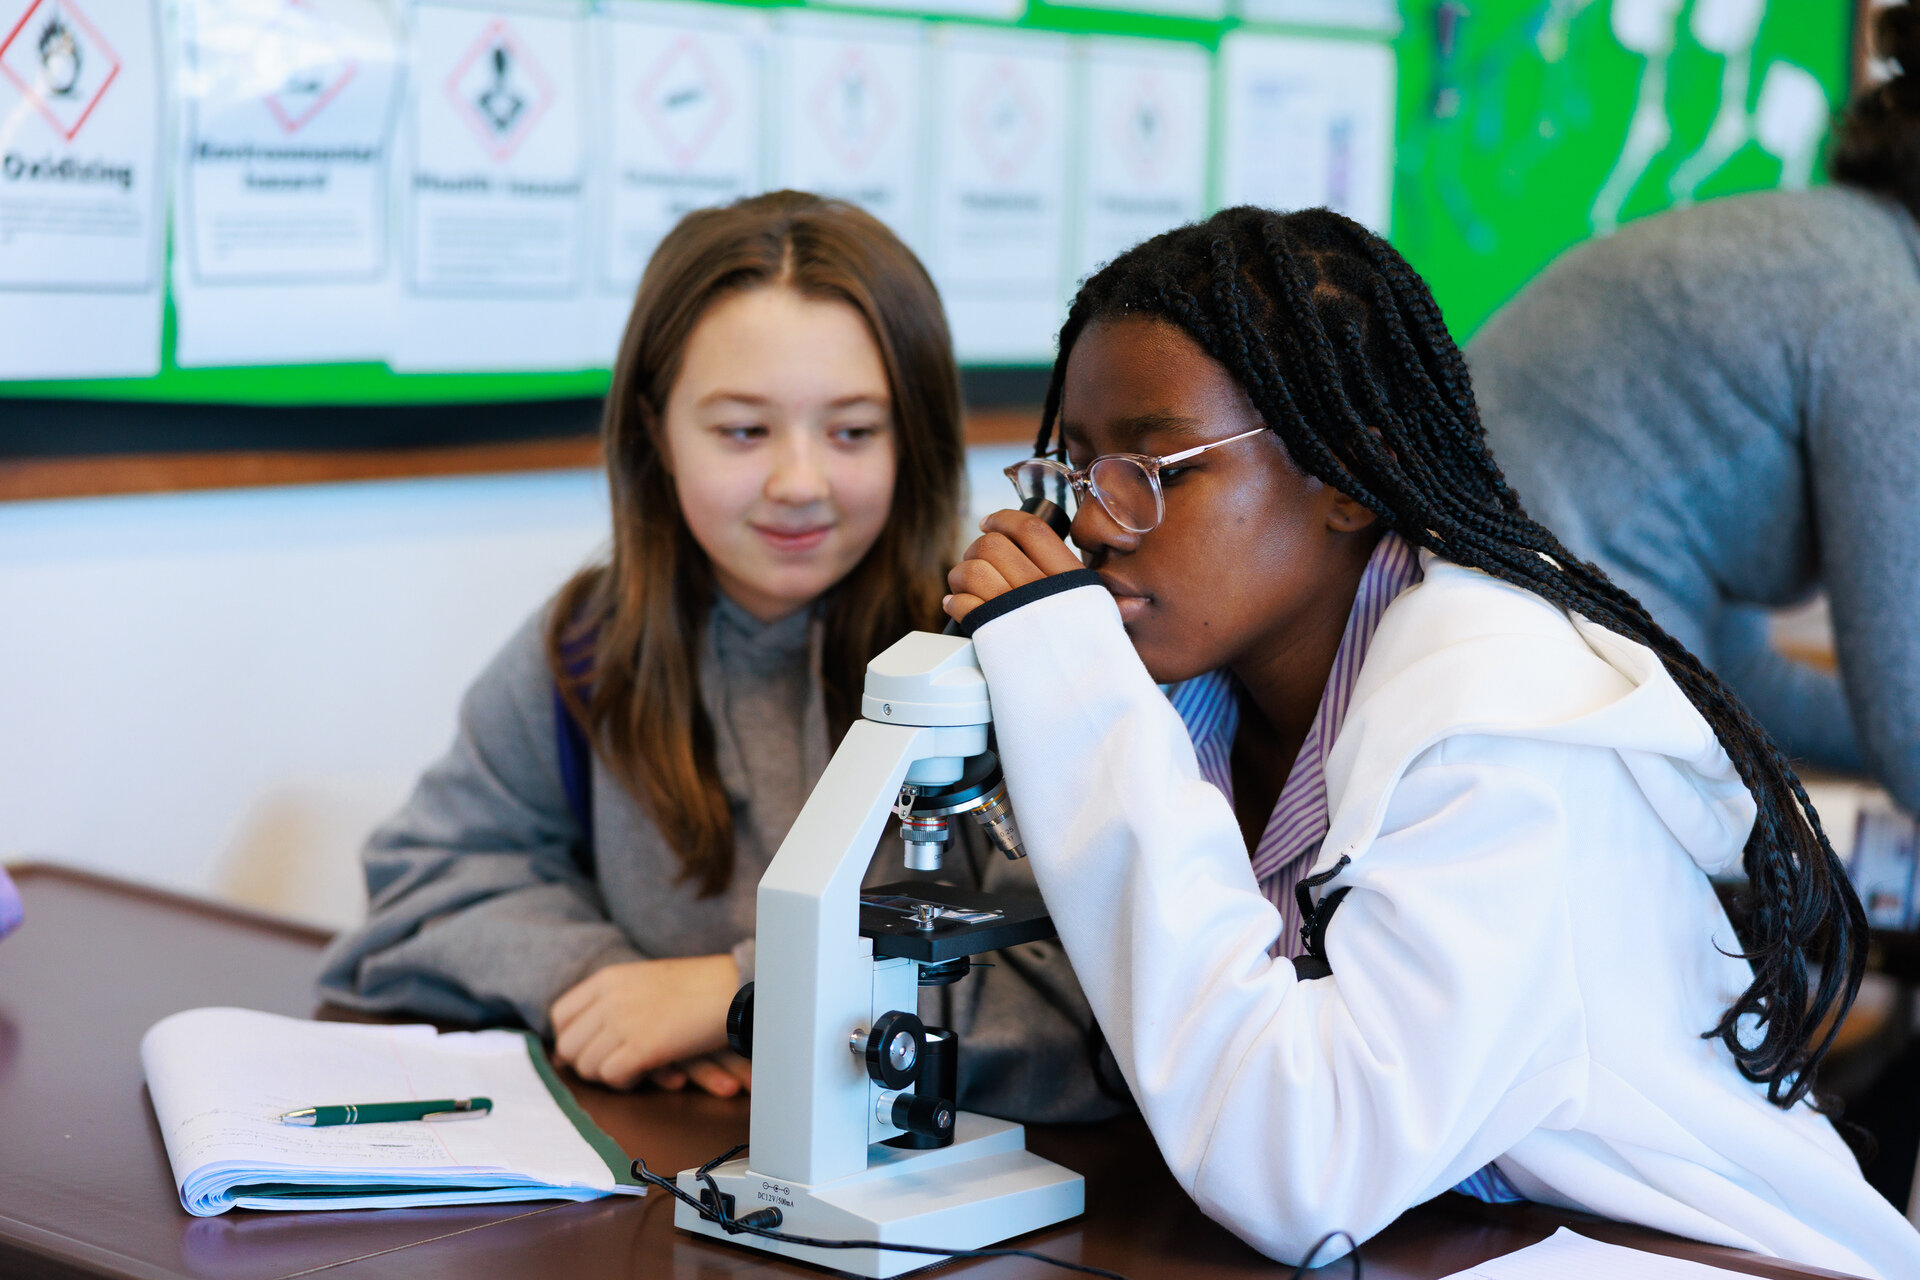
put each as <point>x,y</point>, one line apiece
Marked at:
<point>220,1078</point>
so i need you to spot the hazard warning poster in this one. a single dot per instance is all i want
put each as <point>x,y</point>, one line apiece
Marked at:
<point>683,119</point>
<point>495,207</point>
<point>81,188</point>
<point>998,243</point>
<point>1144,141</point>
<point>850,115</point>
<point>1309,122</point>
<point>282,243</point>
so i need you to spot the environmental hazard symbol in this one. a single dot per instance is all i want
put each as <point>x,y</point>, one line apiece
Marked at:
<point>301,49</point>
<point>1003,120</point>
<point>685,100</point>
<point>60,61</point>
<point>1144,127</point>
<point>499,90</point>
<point>853,108</point>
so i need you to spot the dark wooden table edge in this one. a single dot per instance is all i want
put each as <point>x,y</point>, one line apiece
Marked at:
<point>246,917</point>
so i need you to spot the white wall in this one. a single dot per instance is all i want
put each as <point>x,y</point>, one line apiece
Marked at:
<point>222,692</point>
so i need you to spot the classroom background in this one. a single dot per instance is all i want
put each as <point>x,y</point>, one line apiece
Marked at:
<point>305,306</point>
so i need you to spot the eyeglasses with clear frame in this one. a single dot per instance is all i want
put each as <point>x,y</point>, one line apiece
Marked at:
<point>1126,485</point>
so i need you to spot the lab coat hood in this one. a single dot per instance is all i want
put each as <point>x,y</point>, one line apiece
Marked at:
<point>1504,670</point>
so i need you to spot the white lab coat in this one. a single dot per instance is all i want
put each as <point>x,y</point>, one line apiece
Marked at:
<point>1522,970</point>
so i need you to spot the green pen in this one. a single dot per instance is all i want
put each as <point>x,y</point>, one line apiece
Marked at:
<point>383,1112</point>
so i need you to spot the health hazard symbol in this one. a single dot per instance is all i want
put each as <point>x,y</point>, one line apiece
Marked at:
<point>316,70</point>
<point>853,109</point>
<point>685,100</point>
<point>63,64</point>
<point>1003,121</point>
<point>1144,128</point>
<point>499,90</point>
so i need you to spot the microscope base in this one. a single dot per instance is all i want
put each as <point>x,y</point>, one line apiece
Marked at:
<point>984,1188</point>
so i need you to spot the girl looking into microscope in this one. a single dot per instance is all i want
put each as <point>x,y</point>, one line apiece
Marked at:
<point>1403,886</point>
<point>784,455</point>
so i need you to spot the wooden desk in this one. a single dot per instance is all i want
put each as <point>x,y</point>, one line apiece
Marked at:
<point>85,1189</point>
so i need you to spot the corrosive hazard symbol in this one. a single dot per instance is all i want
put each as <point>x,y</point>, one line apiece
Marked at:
<point>499,90</point>
<point>685,100</point>
<point>1145,129</point>
<point>62,63</point>
<point>316,70</point>
<point>853,108</point>
<point>1003,121</point>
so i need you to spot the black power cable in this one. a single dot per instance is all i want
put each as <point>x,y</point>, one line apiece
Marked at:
<point>716,1212</point>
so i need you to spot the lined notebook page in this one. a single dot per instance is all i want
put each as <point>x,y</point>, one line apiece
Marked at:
<point>220,1078</point>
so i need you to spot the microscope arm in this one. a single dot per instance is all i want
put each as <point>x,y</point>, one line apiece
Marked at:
<point>814,974</point>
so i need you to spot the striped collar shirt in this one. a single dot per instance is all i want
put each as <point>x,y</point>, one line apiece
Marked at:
<point>1210,706</point>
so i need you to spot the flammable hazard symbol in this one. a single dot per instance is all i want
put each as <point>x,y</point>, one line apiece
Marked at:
<point>853,108</point>
<point>685,100</point>
<point>315,69</point>
<point>56,57</point>
<point>1003,121</point>
<point>499,90</point>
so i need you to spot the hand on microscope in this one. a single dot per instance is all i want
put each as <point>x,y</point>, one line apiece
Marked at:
<point>1013,549</point>
<point>659,1020</point>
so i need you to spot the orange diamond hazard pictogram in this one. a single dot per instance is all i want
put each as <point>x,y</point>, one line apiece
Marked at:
<point>854,109</point>
<point>499,90</point>
<point>60,61</point>
<point>1004,121</point>
<point>685,101</point>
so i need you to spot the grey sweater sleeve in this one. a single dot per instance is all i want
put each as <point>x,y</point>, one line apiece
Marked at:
<point>479,910</point>
<point>1863,442</point>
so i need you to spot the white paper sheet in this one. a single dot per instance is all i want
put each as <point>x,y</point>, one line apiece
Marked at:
<point>220,1078</point>
<point>850,115</point>
<point>496,207</point>
<point>1205,10</point>
<point>1567,1256</point>
<point>682,95</point>
<point>81,188</point>
<point>1309,122</point>
<point>1145,143</point>
<point>281,201</point>
<point>999,235</point>
<point>1359,15</point>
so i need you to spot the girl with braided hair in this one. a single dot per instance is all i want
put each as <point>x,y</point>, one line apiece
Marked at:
<point>1401,883</point>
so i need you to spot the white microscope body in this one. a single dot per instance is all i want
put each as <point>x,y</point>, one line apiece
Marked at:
<point>821,1112</point>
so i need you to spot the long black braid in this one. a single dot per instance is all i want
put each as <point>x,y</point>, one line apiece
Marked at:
<point>1342,350</point>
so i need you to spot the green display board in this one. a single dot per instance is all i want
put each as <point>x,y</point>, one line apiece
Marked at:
<point>1517,129</point>
<point>1506,145</point>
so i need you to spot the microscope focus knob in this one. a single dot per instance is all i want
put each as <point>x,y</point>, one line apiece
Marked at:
<point>892,1049</point>
<point>740,1022</point>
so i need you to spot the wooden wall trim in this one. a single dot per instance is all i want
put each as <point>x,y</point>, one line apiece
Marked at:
<point>27,479</point>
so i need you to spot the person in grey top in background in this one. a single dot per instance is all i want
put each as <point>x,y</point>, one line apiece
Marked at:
<point>783,438</point>
<point>1721,406</point>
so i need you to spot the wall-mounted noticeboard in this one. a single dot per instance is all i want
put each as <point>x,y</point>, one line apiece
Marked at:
<point>312,202</point>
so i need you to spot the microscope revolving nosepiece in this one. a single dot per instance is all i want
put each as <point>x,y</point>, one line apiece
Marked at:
<point>980,791</point>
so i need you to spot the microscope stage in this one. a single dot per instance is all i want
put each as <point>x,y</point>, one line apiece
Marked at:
<point>969,921</point>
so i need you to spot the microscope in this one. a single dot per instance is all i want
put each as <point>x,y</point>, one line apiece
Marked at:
<point>854,1132</point>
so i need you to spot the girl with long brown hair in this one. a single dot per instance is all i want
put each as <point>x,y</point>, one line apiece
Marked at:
<point>784,453</point>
